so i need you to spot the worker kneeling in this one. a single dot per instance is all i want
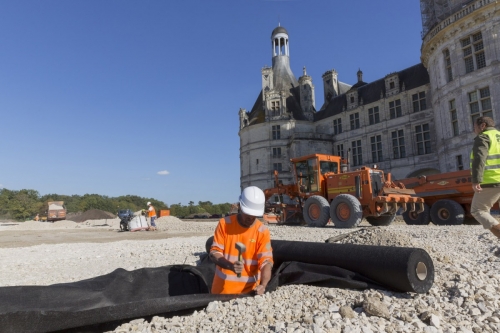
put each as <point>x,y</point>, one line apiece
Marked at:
<point>242,249</point>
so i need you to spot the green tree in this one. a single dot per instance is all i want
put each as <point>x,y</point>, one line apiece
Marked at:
<point>25,204</point>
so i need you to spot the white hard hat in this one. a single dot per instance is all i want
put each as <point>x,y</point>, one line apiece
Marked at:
<point>149,203</point>
<point>252,201</point>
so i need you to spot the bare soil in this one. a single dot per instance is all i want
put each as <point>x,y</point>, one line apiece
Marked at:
<point>24,238</point>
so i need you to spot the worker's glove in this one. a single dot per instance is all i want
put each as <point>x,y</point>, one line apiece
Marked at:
<point>238,267</point>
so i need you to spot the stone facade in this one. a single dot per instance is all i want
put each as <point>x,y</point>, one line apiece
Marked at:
<point>462,56</point>
<point>412,122</point>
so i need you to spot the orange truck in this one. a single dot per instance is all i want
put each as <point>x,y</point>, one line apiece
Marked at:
<point>323,189</point>
<point>56,211</point>
<point>447,196</point>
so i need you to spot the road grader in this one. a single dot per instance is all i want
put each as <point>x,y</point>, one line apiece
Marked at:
<point>323,189</point>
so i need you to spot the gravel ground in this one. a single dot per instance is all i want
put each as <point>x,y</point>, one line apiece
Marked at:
<point>465,296</point>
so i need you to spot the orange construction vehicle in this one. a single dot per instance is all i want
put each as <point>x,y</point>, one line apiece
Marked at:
<point>324,189</point>
<point>447,196</point>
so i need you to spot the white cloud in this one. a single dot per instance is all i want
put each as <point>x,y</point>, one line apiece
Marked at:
<point>163,173</point>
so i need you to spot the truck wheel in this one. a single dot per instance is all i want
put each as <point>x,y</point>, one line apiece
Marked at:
<point>346,211</point>
<point>412,218</point>
<point>447,212</point>
<point>381,220</point>
<point>316,211</point>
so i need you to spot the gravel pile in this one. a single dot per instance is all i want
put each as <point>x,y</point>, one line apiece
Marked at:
<point>34,225</point>
<point>465,296</point>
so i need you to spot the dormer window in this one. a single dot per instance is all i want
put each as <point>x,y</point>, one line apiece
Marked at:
<point>392,84</point>
<point>352,99</point>
<point>275,109</point>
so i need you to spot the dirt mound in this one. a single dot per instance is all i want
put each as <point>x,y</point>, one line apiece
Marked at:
<point>93,214</point>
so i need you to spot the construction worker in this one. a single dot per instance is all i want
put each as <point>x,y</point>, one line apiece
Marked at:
<point>152,215</point>
<point>485,170</point>
<point>253,272</point>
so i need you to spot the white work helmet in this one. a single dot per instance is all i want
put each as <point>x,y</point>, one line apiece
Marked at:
<point>252,201</point>
<point>149,203</point>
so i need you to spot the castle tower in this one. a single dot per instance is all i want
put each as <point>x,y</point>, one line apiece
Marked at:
<point>307,99</point>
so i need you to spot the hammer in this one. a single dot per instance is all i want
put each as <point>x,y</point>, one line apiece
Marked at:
<point>241,249</point>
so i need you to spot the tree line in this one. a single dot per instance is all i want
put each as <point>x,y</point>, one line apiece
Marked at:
<point>25,204</point>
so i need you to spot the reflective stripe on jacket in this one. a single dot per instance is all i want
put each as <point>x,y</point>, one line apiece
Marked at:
<point>257,240</point>
<point>491,173</point>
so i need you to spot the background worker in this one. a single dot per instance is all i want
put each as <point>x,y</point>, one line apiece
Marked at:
<point>257,260</point>
<point>152,214</point>
<point>485,170</point>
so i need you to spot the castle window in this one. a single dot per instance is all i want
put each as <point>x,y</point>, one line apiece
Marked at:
<point>376,143</point>
<point>460,164</point>
<point>337,126</point>
<point>340,150</point>
<point>395,109</point>
<point>473,51</point>
<point>373,115</point>
<point>454,118</point>
<point>419,103</point>
<point>357,154</point>
<point>354,120</point>
<point>352,99</point>
<point>257,161</point>
<point>275,108</point>
<point>391,85</point>
<point>423,137</point>
<point>480,103</point>
<point>276,152</point>
<point>277,167</point>
<point>447,63</point>
<point>276,132</point>
<point>398,144</point>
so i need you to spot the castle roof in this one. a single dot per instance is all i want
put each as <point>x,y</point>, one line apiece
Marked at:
<point>278,30</point>
<point>411,77</point>
<point>283,80</point>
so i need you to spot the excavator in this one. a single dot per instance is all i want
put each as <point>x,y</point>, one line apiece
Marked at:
<point>324,190</point>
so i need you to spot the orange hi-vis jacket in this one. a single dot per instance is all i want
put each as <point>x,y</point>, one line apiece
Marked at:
<point>152,212</point>
<point>257,240</point>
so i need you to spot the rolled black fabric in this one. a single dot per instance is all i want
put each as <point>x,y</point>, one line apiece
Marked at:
<point>399,268</point>
<point>112,297</point>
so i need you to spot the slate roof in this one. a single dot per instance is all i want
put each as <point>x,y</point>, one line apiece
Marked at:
<point>283,80</point>
<point>411,77</point>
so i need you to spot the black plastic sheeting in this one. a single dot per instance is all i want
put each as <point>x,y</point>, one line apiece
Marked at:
<point>126,295</point>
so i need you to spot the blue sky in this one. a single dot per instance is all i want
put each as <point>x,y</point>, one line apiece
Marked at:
<point>102,96</point>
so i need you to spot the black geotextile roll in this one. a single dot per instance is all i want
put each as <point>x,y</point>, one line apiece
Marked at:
<point>112,297</point>
<point>392,267</point>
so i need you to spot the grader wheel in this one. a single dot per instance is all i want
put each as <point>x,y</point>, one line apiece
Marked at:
<point>346,211</point>
<point>316,212</point>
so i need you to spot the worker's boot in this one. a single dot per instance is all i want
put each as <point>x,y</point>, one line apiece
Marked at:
<point>496,230</point>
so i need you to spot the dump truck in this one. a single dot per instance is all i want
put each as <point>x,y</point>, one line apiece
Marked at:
<point>447,196</point>
<point>323,189</point>
<point>56,211</point>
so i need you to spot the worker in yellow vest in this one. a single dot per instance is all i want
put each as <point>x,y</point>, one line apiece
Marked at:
<point>152,215</point>
<point>485,170</point>
<point>247,271</point>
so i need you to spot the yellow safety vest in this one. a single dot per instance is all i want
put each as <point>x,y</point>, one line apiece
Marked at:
<point>491,173</point>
